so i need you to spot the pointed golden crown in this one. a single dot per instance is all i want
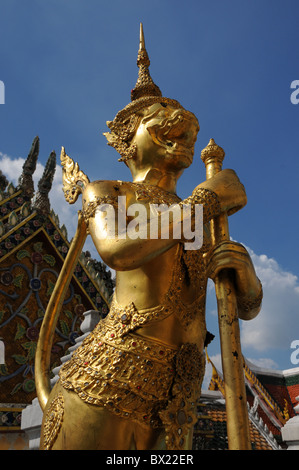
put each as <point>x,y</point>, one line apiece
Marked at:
<point>145,93</point>
<point>144,85</point>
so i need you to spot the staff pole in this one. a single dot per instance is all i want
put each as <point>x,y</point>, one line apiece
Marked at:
<point>232,359</point>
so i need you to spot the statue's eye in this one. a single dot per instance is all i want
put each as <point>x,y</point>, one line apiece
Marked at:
<point>164,105</point>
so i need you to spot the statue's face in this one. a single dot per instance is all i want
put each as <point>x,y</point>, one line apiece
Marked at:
<point>166,137</point>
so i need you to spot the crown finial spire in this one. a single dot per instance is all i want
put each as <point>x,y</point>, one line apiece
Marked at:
<point>141,40</point>
<point>144,85</point>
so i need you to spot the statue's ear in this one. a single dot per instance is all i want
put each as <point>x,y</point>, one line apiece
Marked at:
<point>118,144</point>
<point>111,138</point>
<point>128,154</point>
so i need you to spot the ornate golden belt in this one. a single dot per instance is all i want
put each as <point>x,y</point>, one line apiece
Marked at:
<point>130,375</point>
<point>135,377</point>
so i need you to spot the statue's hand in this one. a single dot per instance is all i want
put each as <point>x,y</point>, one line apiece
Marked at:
<point>233,256</point>
<point>230,191</point>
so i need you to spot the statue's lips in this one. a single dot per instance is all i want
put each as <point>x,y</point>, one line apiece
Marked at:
<point>177,133</point>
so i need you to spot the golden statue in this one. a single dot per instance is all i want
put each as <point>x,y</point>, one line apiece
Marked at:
<point>135,381</point>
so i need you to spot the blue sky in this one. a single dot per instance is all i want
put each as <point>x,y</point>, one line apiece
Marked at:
<point>68,66</point>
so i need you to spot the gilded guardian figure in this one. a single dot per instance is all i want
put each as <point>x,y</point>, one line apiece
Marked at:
<point>135,381</point>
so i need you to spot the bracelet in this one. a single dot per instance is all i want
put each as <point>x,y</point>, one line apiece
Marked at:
<point>209,200</point>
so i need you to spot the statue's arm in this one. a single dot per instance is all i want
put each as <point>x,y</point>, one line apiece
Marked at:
<point>123,252</point>
<point>232,255</point>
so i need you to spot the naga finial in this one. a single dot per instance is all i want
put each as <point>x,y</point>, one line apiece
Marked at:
<point>74,180</point>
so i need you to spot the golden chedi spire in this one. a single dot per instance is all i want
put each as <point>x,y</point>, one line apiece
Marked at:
<point>144,85</point>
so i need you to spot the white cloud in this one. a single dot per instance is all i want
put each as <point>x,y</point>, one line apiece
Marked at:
<point>12,169</point>
<point>277,323</point>
<point>267,338</point>
<point>263,363</point>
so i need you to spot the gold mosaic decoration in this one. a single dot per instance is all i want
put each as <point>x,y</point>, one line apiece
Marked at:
<point>90,209</point>
<point>181,412</point>
<point>208,199</point>
<point>135,377</point>
<point>53,421</point>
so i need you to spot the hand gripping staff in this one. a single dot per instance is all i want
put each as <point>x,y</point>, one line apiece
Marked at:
<point>232,359</point>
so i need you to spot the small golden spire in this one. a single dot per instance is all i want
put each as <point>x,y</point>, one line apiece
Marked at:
<point>144,85</point>
<point>142,58</point>
<point>141,41</point>
<point>212,150</point>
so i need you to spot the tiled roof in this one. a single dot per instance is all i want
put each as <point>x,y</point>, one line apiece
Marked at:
<point>294,392</point>
<point>271,397</point>
<point>211,433</point>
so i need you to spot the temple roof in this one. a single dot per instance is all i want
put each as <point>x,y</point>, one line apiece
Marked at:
<point>210,430</point>
<point>33,246</point>
<point>271,400</point>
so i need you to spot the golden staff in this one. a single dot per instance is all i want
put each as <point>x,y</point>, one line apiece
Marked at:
<point>74,182</point>
<point>232,359</point>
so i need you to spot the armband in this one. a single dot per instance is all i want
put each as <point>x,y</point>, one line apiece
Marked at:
<point>208,199</point>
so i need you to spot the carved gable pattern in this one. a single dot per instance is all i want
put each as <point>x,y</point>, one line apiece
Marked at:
<point>33,247</point>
